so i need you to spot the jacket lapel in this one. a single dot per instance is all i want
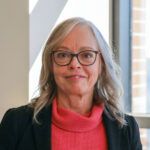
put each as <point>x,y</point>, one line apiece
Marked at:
<point>42,131</point>
<point>113,133</point>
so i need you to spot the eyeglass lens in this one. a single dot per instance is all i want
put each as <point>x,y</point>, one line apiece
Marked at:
<point>84,57</point>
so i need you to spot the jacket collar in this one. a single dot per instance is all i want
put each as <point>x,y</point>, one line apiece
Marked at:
<point>113,132</point>
<point>42,131</point>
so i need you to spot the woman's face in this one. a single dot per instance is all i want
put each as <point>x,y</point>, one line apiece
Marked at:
<point>76,78</point>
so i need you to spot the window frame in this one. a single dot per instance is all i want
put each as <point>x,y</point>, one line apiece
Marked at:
<point>120,31</point>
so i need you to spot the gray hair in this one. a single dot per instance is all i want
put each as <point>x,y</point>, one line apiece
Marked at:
<point>108,89</point>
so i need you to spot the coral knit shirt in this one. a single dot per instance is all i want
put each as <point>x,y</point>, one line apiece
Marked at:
<point>72,131</point>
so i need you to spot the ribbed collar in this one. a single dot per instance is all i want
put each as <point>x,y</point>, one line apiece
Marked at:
<point>74,122</point>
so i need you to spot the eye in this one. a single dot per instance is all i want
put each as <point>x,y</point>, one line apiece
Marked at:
<point>87,55</point>
<point>62,55</point>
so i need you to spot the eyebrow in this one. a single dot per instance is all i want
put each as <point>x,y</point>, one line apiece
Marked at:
<point>80,49</point>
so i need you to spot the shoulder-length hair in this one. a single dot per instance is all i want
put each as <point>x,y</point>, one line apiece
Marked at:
<point>108,89</point>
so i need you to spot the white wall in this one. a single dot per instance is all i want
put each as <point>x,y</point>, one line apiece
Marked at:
<point>14,53</point>
<point>43,16</point>
<point>20,26</point>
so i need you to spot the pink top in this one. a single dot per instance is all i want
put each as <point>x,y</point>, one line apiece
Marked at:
<point>72,131</point>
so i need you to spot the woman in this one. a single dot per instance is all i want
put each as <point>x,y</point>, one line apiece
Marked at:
<point>77,108</point>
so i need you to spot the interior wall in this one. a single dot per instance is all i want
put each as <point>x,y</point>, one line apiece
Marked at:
<point>22,33</point>
<point>14,54</point>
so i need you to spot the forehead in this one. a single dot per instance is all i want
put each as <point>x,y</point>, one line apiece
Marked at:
<point>80,36</point>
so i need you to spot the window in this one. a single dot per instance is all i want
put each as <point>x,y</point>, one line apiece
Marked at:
<point>131,35</point>
<point>140,56</point>
<point>141,63</point>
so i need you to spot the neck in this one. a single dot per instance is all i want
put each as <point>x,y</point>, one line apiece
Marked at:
<point>81,104</point>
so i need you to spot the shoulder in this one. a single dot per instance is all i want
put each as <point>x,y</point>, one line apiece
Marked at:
<point>131,123</point>
<point>13,125</point>
<point>131,126</point>
<point>132,130</point>
<point>128,134</point>
<point>15,118</point>
<point>22,112</point>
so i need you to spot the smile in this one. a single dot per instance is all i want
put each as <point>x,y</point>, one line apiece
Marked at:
<point>75,77</point>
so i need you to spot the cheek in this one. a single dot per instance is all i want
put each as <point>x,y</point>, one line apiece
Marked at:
<point>93,75</point>
<point>99,67</point>
<point>56,70</point>
<point>96,71</point>
<point>58,73</point>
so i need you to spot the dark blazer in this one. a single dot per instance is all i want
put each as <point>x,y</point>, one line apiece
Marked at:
<point>19,132</point>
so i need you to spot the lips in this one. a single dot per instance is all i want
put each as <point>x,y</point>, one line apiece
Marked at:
<point>76,76</point>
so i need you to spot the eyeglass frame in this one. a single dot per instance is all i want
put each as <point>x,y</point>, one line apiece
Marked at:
<point>75,55</point>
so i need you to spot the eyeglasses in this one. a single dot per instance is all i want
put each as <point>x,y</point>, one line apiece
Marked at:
<point>64,58</point>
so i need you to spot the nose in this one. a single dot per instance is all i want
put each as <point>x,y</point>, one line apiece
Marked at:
<point>74,63</point>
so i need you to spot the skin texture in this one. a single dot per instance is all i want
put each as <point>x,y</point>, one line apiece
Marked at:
<point>75,83</point>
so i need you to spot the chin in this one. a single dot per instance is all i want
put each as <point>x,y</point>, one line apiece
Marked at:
<point>78,91</point>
